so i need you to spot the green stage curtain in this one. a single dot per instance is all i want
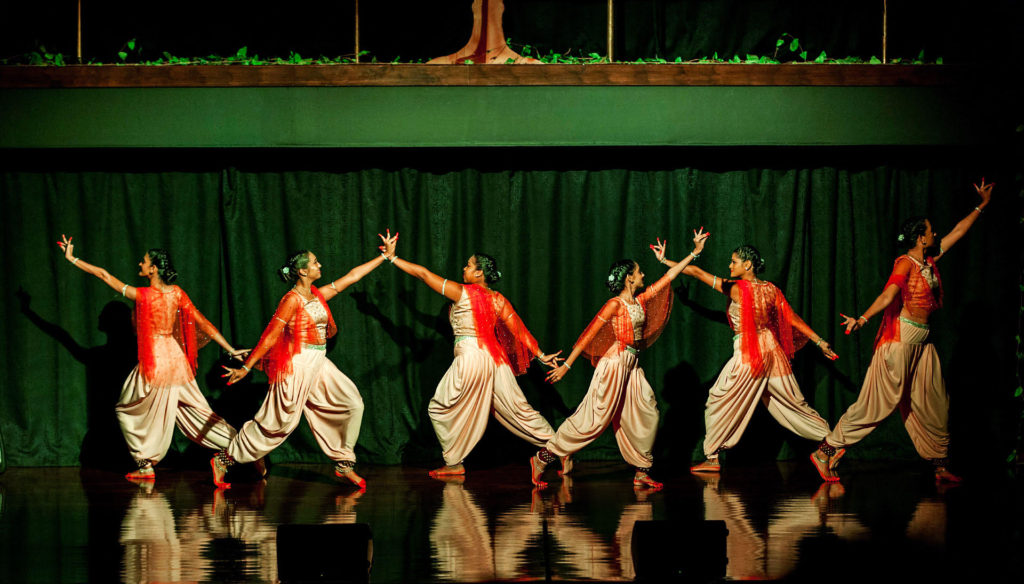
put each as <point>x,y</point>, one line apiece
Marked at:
<point>826,226</point>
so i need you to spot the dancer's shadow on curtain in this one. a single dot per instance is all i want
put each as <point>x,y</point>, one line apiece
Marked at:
<point>429,346</point>
<point>106,367</point>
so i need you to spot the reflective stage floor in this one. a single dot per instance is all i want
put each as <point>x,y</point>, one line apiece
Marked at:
<point>884,522</point>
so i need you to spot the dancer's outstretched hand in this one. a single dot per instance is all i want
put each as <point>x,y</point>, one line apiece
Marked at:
<point>985,190</point>
<point>826,349</point>
<point>851,323</point>
<point>556,374</point>
<point>389,243</point>
<point>699,237</point>
<point>239,353</point>
<point>234,375</point>
<point>659,249</point>
<point>551,359</point>
<point>69,248</point>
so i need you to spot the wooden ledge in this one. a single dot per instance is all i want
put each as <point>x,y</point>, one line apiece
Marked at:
<point>415,75</point>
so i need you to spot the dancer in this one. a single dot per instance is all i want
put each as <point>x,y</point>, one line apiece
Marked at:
<point>293,353</point>
<point>161,391</point>
<point>905,371</point>
<point>768,333</point>
<point>492,347</point>
<point>619,395</point>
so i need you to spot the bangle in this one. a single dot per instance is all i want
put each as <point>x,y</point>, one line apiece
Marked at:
<point>333,286</point>
<point>694,255</point>
<point>123,289</point>
<point>979,210</point>
<point>75,261</point>
<point>862,316</point>
<point>566,365</point>
<point>664,260</point>
<point>819,342</point>
<point>244,366</point>
<point>714,281</point>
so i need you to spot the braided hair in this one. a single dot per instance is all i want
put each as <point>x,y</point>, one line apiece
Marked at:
<point>617,274</point>
<point>749,252</point>
<point>489,266</point>
<point>909,232</point>
<point>161,260</point>
<point>289,272</point>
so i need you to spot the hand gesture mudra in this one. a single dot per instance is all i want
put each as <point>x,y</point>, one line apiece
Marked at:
<point>69,248</point>
<point>699,237</point>
<point>985,190</point>
<point>390,243</point>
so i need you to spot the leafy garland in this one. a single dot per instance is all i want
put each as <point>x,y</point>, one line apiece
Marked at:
<point>131,53</point>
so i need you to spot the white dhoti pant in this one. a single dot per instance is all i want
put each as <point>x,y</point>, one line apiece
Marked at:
<point>903,374</point>
<point>619,396</point>
<point>736,392</point>
<point>317,389</point>
<point>472,389</point>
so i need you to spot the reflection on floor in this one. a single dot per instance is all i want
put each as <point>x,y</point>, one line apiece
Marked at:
<point>881,522</point>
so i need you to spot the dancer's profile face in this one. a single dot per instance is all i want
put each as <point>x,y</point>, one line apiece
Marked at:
<point>471,273</point>
<point>313,268</point>
<point>929,238</point>
<point>637,276</point>
<point>145,266</point>
<point>737,267</point>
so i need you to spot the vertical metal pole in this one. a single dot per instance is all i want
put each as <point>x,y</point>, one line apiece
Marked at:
<point>611,38</point>
<point>885,28</point>
<point>79,51</point>
<point>357,31</point>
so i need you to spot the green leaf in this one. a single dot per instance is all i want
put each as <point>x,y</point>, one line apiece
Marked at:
<point>779,42</point>
<point>123,55</point>
<point>1018,391</point>
<point>594,56</point>
<point>803,55</point>
<point>735,58</point>
<point>794,45</point>
<point>920,56</point>
<point>131,45</point>
<point>468,62</point>
<point>938,61</point>
<point>678,60</point>
<point>821,58</point>
<point>242,52</point>
<point>59,60</point>
<point>875,60</point>
<point>715,56</point>
<point>1012,456</point>
<point>509,61</point>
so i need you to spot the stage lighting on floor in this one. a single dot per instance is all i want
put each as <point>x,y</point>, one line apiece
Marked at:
<point>679,551</point>
<point>338,553</point>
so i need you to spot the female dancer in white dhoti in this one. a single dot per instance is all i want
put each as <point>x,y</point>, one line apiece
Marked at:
<point>768,333</point>
<point>905,371</point>
<point>492,347</point>
<point>619,395</point>
<point>161,391</point>
<point>293,353</point>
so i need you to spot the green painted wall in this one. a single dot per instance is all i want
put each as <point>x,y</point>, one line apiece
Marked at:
<point>498,116</point>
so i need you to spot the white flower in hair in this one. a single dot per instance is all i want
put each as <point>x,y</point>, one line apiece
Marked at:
<point>611,277</point>
<point>900,238</point>
<point>285,269</point>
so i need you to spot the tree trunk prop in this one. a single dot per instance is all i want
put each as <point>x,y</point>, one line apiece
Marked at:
<point>486,44</point>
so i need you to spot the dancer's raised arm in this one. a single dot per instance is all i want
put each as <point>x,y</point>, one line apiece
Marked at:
<point>387,252</point>
<point>961,228</point>
<point>69,248</point>
<point>450,289</point>
<point>684,267</point>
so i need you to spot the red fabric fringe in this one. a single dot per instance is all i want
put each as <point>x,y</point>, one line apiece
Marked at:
<point>280,342</point>
<point>499,330</point>
<point>915,293</point>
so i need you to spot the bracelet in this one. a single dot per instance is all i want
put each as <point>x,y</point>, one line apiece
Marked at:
<point>664,261</point>
<point>714,281</point>
<point>566,365</point>
<point>75,261</point>
<point>864,317</point>
<point>818,342</point>
<point>246,368</point>
<point>979,210</point>
<point>123,289</point>
<point>333,286</point>
<point>694,255</point>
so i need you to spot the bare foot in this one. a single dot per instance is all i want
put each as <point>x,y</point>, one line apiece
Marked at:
<point>143,474</point>
<point>833,461</point>
<point>944,476</point>
<point>709,465</point>
<point>348,473</point>
<point>450,470</point>
<point>219,472</point>
<point>821,465</point>
<point>566,466</point>
<point>537,471</point>
<point>642,479</point>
